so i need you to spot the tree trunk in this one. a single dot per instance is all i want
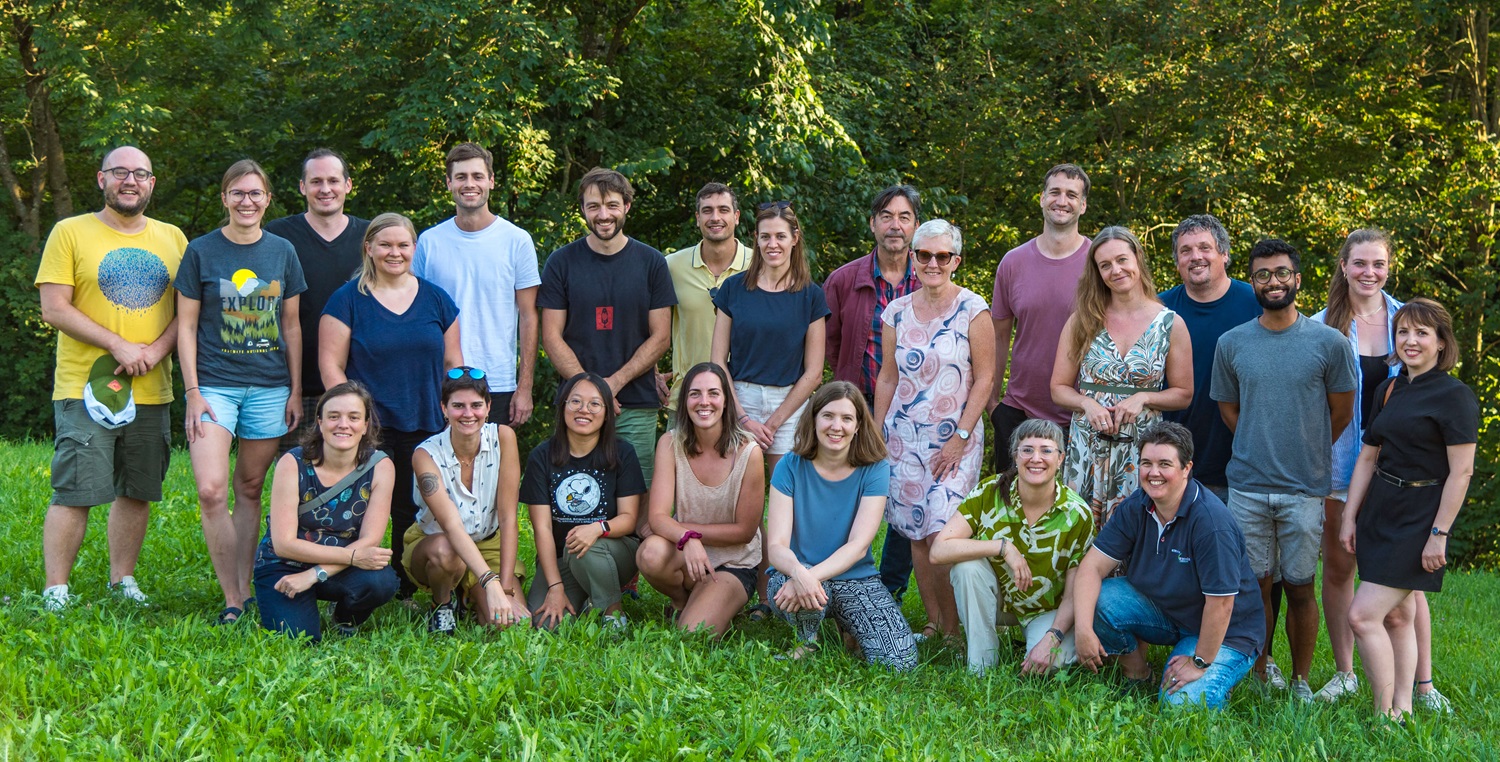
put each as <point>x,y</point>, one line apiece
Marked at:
<point>43,123</point>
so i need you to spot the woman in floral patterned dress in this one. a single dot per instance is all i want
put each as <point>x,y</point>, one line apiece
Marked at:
<point>938,346</point>
<point>1112,358</point>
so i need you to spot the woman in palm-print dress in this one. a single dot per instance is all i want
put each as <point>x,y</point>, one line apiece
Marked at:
<point>1115,354</point>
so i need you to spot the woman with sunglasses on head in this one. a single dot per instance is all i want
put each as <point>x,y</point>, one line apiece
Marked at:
<point>827,499</point>
<point>939,347</point>
<point>1408,485</point>
<point>1123,358</point>
<point>330,500</point>
<point>395,333</point>
<point>240,346</point>
<point>583,489</point>
<point>463,544</point>
<point>706,507</point>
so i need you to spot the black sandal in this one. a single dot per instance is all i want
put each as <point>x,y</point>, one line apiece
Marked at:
<point>760,612</point>
<point>229,616</point>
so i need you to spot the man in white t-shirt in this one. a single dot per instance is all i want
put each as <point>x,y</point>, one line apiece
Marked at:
<point>488,265</point>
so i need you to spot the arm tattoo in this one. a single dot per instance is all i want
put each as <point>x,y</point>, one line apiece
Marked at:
<point>428,483</point>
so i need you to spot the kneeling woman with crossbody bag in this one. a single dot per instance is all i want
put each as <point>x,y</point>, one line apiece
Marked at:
<point>330,502</point>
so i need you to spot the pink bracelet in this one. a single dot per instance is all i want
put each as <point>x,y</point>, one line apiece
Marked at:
<point>688,535</point>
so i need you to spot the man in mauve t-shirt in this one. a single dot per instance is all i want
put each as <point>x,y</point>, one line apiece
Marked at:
<point>1034,289</point>
<point>329,245</point>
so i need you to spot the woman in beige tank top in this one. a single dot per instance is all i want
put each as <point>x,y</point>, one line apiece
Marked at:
<point>707,498</point>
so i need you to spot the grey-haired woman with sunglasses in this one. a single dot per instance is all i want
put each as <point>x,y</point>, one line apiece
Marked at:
<point>939,364</point>
<point>396,334</point>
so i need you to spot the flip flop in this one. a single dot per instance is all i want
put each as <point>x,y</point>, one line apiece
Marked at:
<point>229,616</point>
<point>759,612</point>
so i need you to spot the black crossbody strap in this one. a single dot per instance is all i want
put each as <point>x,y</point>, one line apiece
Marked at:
<point>343,484</point>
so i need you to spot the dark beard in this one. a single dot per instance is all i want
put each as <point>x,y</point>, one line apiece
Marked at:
<point>619,230</point>
<point>112,200</point>
<point>1282,303</point>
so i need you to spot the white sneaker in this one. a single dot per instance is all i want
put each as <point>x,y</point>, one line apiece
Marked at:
<point>56,598</point>
<point>1343,684</point>
<point>1274,678</point>
<point>1433,701</point>
<point>616,621</point>
<point>127,589</point>
<point>1301,691</point>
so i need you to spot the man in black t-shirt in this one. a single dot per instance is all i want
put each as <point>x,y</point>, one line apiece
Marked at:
<point>606,303</point>
<point>329,245</point>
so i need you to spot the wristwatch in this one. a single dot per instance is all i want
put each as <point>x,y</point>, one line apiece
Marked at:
<point>1200,663</point>
<point>320,574</point>
<point>1440,533</point>
<point>963,434</point>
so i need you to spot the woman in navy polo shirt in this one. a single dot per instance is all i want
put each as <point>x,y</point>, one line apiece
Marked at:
<point>395,333</point>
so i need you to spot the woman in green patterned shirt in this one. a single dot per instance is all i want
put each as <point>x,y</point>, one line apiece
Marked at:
<point>1015,553</point>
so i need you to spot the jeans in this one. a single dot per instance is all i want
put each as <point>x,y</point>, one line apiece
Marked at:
<point>895,563</point>
<point>1123,615</point>
<point>976,589</point>
<point>355,593</point>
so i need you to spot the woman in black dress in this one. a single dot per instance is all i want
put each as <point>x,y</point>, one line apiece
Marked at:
<point>1407,488</point>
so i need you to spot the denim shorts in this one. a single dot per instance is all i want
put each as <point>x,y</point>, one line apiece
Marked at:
<point>760,402</point>
<point>249,412</point>
<point>1282,533</point>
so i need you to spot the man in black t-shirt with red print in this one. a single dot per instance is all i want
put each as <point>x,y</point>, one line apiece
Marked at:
<point>606,303</point>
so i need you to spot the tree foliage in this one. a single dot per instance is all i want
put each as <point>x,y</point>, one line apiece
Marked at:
<point>1288,118</point>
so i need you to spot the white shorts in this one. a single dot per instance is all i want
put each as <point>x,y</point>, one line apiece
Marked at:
<point>760,402</point>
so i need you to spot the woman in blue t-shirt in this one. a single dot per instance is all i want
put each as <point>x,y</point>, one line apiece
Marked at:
<point>330,500</point>
<point>827,499</point>
<point>240,346</point>
<point>769,332</point>
<point>583,490</point>
<point>396,334</point>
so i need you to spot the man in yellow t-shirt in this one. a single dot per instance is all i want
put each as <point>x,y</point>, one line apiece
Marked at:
<point>697,272</point>
<point>105,282</point>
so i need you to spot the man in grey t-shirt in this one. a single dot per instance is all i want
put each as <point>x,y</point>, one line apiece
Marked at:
<point>1285,387</point>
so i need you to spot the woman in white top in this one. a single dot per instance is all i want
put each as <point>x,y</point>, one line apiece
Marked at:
<point>706,505</point>
<point>468,476</point>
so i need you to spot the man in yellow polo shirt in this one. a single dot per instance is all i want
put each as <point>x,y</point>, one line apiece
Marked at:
<point>697,272</point>
<point>105,282</point>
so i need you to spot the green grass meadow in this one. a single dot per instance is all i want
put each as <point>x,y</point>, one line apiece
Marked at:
<point>108,681</point>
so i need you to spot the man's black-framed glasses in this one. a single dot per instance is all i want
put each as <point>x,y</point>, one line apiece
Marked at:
<point>120,173</point>
<point>1281,274</point>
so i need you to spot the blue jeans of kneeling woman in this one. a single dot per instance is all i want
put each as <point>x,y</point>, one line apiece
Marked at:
<point>1123,615</point>
<point>355,593</point>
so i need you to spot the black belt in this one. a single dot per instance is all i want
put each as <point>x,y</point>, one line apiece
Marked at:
<point>1407,482</point>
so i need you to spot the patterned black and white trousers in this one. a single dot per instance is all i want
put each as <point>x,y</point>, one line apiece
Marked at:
<point>865,610</point>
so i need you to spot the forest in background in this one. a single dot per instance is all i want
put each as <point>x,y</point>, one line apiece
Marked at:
<point>1296,119</point>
